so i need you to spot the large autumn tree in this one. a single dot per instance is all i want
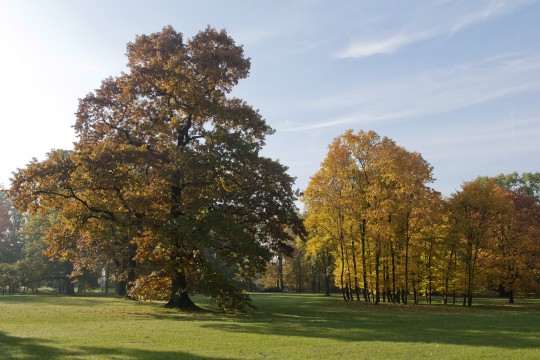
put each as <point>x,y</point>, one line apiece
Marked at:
<point>166,176</point>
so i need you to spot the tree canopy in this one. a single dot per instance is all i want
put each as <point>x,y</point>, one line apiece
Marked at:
<point>166,180</point>
<point>386,234</point>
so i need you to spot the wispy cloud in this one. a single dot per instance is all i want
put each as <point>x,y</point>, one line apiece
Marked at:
<point>428,22</point>
<point>428,93</point>
<point>493,9</point>
<point>499,131</point>
<point>384,46</point>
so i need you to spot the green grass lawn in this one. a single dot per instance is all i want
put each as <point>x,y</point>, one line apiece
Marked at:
<point>285,326</point>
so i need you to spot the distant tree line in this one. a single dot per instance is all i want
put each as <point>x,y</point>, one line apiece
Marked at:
<point>24,261</point>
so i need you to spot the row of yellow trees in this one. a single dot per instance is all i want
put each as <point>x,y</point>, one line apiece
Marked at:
<point>389,236</point>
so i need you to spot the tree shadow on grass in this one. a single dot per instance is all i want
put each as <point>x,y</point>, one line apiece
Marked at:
<point>368,324</point>
<point>391,323</point>
<point>12,347</point>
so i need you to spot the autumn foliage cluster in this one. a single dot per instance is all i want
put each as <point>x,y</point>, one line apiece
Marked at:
<point>386,235</point>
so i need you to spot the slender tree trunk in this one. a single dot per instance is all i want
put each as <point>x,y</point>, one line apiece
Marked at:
<point>468,268</point>
<point>300,285</point>
<point>314,276</point>
<point>327,274</point>
<point>349,280</point>
<point>364,270</point>
<point>430,288</point>
<point>327,285</point>
<point>107,279</point>
<point>355,272</point>
<point>470,288</point>
<point>454,282</point>
<point>447,277</point>
<point>280,284</point>
<point>393,255</point>
<point>511,296</point>
<point>342,274</point>
<point>407,239</point>
<point>377,263</point>
<point>415,292</point>
<point>383,292</point>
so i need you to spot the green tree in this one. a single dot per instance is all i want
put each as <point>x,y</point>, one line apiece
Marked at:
<point>172,164</point>
<point>525,184</point>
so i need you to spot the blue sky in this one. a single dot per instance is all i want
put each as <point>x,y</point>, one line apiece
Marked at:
<point>457,81</point>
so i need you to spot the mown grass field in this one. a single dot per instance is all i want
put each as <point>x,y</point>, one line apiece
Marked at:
<point>285,326</point>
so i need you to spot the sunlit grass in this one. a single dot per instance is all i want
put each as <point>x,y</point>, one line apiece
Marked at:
<point>285,326</point>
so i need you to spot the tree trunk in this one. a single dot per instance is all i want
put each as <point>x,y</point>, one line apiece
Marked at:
<point>407,239</point>
<point>69,286</point>
<point>511,296</point>
<point>314,276</point>
<point>107,279</point>
<point>502,292</point>
<point>280,284</point>
<point>415,292</point>
<point>327,274</point>
<point>430,274</point>
<point>377,263</point>
<point>356,287</point>
<point>179,297</point>
<point>364,270</point>
<point>393,272</point>
<point>121,288</point>
<point>454,283</point>
<point>342,274</point>
<point>299,285</point>
<point>132,276</point>
<point>349,281</point>
<point>447,277</point>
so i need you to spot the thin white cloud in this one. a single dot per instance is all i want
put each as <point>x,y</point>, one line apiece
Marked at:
<point>384,46</point>
<point>353,118</point>
<point>428,93</point>
<point>428,22</point>
<point>500,131</point>
<point>492,9</point>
